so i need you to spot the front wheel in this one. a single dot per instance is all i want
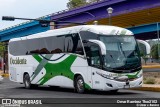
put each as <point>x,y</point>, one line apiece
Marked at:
<point>114,91</point>
<point>79,85</point>
<point>27,82</point>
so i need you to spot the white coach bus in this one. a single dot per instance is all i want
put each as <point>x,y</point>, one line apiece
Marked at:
<point>80,57</point>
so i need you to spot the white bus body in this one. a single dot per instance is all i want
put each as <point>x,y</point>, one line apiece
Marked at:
<point>81,57</point>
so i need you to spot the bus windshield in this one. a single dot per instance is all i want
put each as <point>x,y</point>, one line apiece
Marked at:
<point>122,52</point>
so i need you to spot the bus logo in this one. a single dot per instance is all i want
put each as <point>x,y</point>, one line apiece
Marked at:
<point>6,101</point>
<point>17,60</point>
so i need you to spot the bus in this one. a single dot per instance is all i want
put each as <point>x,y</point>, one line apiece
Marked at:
<point>82,57</point>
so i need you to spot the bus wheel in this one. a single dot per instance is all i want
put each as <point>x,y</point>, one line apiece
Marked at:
<point>26,81</point>
<point>114,91</point>
<point>79,86</point>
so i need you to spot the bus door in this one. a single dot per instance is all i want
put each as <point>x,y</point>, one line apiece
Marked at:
<point>96,65</point>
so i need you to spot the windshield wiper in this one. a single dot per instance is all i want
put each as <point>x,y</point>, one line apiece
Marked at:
<point>113,61</point>
<point>109,68</point>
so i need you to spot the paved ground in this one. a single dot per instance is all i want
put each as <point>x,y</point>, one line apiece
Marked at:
<point>151,69</point>
<point>16,90</point>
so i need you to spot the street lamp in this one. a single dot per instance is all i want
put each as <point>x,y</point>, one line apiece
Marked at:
<point>110,11</point>
<point>158,41</point>
<point>43,22</point>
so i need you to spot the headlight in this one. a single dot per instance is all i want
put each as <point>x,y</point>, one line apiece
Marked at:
<point>104,75</point>
<point>140,74</point>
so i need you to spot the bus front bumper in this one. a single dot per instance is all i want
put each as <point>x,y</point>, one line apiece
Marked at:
<point>113,84</point>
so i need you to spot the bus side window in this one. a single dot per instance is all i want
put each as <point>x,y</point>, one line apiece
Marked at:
<point>73,44</point>
<point>95,56</point>
<point>68,43</point>
<point>44,51</point>
<point>88,54</point>
<point>77,47</point>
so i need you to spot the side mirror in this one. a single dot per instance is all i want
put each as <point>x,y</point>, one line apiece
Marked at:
<point>147,46</point>
<point>100,44</point>
<point>84,41</point>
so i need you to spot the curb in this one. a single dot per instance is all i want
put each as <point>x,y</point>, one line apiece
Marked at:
<point>153,66</point>
<point>5,75</point>
<point>154,89</point>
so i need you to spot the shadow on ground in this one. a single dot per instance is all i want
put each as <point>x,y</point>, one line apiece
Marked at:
<point>93,92</point>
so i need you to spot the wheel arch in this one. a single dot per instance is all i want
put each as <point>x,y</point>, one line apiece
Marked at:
<point>75,76</point>
<point>24,75</point>
<point>84,78</point>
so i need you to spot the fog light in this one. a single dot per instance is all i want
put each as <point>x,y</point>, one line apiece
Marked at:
<point>110,85</point>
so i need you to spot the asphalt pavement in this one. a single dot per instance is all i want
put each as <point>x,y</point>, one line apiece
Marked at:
<point>10,89</point>
<point>151,69</point>
<point>62,97</point>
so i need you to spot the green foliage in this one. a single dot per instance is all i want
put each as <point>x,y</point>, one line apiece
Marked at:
<point>154,51</point>
<point>143,53</point>
<point>78,3</point>
<point>142,48</point>
<point>91,1</point>
<point>2,48</point>
<point>149,81</point>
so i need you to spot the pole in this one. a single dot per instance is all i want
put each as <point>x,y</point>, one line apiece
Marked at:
<point>4,63</point>
<point>109,19</point>
<point>158,40</point>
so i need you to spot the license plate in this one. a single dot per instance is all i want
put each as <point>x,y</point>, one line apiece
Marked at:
<point>126,86</point>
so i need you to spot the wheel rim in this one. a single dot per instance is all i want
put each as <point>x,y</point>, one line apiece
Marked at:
<point>26,81</point>
<point>27,84</point>
<point>80,84</point>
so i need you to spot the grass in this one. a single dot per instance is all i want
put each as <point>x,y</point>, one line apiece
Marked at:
<point>150,80</point>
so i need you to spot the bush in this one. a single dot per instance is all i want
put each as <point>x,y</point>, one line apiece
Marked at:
<point>154,51</point>
<point>149,81</point>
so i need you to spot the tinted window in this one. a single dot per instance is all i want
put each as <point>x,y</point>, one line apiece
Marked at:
<point>46,45</point>
<point>73,44</point>
<point>95,56</point>
<point>17,48</point>
<point>68,43</point>
<point>85,35</point>
<point>56,44</point>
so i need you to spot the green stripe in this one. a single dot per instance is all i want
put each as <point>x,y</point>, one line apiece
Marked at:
<point>56,69</point>
<point>39,59</point>
<point>62,68</point>
<point>87,87</point>
<point>42,63</point>
<point>133,76</point>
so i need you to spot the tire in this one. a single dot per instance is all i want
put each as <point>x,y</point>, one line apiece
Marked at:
<point>114,91</point>
<point>26,81</point>
<point>54,87</point>
<point>79,85</point>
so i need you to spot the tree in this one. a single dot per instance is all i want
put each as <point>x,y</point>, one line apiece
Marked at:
<point>92,1</point>
<point>2,49</point>
<point>76,3</point>
<point>154,51</point>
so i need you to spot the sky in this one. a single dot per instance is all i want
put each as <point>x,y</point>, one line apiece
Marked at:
<point>28,9</point>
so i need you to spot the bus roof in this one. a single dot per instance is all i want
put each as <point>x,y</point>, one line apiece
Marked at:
<point>98,29</point>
